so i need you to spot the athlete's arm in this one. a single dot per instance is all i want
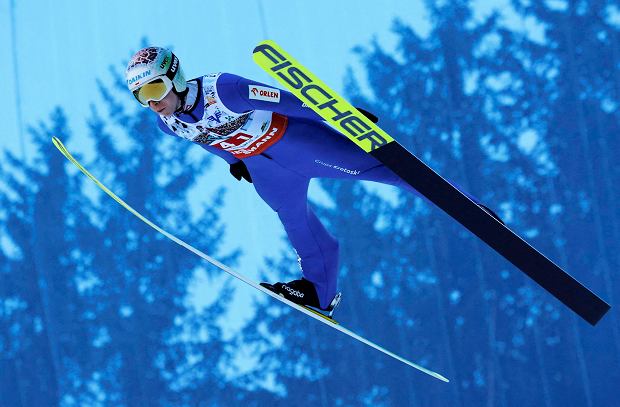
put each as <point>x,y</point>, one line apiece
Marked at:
<point>242,95</point>
<point>228,157</point>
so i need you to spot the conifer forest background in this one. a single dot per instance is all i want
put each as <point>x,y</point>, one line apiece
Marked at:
<point>97,309</point>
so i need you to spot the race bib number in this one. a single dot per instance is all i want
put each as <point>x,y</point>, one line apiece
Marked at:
<point>244,145</point>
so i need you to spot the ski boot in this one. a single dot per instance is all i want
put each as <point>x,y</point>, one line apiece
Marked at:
<point>302,292</point>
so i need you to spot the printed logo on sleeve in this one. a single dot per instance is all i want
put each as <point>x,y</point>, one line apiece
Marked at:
<point>264,93</point>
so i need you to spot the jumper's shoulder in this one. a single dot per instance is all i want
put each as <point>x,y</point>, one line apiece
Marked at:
<point>224,77</point>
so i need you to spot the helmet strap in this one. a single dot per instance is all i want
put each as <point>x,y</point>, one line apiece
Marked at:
<point>182,98</point>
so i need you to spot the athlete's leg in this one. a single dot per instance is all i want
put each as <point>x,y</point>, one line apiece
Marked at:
<point>318,151</point>
<point>286,193</point>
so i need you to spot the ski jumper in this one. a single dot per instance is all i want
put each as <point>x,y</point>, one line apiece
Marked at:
<point>284,145</point>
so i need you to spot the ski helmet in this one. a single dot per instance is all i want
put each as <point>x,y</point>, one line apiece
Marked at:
<point>157,67</point>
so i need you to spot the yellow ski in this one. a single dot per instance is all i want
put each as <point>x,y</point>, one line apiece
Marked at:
<point>309,312</point>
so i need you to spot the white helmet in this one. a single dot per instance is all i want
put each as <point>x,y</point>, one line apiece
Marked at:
<point>159,68</point>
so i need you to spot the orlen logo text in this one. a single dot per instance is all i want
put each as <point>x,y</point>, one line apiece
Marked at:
<point>264,93</point>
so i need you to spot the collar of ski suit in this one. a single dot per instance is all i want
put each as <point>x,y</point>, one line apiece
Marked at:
<point>191,98</point>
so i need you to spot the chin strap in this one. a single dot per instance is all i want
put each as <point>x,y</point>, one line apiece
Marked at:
<point>182,97</point>
<point>188,97</point>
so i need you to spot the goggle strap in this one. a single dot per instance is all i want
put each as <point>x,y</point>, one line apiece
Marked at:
<point>173,67</point>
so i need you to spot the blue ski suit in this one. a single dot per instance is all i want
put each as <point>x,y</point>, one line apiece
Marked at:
<point>308,148</point>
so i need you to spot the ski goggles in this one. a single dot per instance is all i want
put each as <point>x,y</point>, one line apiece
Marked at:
<point>154,90</point>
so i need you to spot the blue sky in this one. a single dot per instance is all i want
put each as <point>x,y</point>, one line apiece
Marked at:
<point>62,47</point>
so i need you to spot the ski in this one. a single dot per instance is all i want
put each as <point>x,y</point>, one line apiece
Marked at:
<point>373,140</point>
<point>324,319</point>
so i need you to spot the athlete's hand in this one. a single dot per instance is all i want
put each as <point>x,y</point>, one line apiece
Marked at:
<point>368,115</point>
<point>239,170</point>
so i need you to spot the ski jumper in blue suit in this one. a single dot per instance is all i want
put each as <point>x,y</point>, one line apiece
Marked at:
<point>299,147</point>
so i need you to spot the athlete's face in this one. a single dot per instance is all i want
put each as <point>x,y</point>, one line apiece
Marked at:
<point>167,105</point>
